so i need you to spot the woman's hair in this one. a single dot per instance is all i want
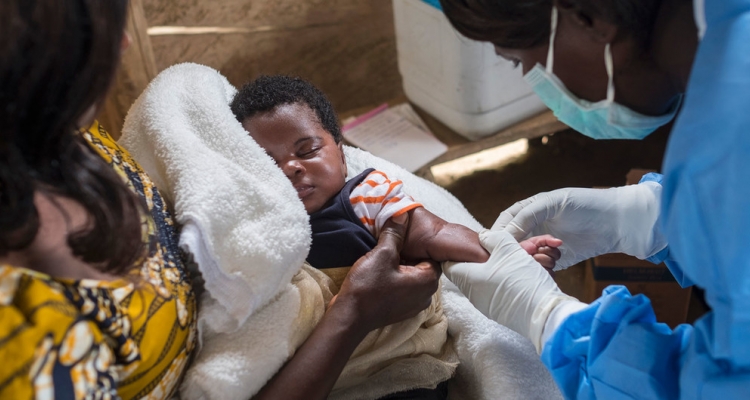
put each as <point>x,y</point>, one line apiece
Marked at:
<point>57,59</point>
<point>268,92</point>
<point>521,24</point>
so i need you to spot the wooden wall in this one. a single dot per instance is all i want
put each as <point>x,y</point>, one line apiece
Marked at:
<point>345,47</point>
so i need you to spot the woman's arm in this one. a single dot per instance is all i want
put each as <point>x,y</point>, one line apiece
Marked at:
<point>317,364</point>
<point>377,292</point>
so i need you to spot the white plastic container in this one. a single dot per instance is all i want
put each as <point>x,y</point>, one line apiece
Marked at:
<point>461,82</point>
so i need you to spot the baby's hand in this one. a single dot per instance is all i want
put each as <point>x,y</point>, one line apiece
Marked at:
<point>544,249</point>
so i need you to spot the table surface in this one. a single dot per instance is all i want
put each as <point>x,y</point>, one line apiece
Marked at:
<point>544,123</point>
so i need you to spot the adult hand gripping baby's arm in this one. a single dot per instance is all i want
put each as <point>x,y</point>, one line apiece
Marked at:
<point>511,287</point>
<point>378,291</point>
<point>591,222</point>
<point>383,290</point>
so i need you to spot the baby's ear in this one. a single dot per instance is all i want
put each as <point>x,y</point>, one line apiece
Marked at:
<point>343,158</point>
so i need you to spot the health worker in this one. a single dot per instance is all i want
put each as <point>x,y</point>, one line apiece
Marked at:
<point>619,69</point>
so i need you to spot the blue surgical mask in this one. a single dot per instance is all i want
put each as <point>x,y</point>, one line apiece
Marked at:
<point>604,119</point>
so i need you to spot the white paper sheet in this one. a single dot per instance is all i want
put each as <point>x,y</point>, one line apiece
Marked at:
<point>396,134</point>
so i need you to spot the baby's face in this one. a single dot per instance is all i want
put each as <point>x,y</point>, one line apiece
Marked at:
<point>309,156</point>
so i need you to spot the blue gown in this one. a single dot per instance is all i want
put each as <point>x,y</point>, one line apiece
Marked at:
<point>615,349</point>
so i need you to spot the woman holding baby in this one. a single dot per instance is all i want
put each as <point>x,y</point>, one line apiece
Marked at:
<point>95,299</point>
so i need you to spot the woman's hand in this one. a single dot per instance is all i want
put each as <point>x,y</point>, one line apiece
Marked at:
<point>591,222</point>
<point>382,291</point>
<point>378,291</point>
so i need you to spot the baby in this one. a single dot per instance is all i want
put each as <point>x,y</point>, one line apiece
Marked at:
<point>297,126</point>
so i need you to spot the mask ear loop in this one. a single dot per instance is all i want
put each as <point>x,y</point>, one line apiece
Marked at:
<point>609,65</point>
<point>551,48</point>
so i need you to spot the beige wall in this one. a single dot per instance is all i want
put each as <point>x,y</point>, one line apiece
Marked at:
<point>345,47</point>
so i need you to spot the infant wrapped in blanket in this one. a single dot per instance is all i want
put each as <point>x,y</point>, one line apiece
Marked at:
<point>243,225</point>
<point>296,125</point>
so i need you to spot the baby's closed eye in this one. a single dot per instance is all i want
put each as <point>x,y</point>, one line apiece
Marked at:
<point>307,153</point>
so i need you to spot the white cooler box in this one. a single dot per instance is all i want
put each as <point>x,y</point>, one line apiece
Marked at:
<point>461,82</point>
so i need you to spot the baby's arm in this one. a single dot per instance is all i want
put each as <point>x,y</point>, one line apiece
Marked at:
<point>431,237</point>
<point>377,199</point>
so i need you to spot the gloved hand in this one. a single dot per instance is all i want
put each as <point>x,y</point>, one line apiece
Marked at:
<point>591,222</point>
<point>510,288</point>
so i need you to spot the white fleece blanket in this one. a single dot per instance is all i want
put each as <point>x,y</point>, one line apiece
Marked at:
<point>249,234</point>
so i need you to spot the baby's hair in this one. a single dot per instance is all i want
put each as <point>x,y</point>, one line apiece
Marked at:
<point>268,92</point>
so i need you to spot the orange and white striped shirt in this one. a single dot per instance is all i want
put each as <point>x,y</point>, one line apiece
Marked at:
<point>377,199</point>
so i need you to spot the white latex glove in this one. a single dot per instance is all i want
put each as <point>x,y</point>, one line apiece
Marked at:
<point>510,288</point>
<point>591,222</point>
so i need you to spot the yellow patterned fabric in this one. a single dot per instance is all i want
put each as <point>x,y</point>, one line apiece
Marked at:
<point>130,338</point>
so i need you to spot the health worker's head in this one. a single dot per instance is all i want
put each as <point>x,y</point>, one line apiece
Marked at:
<point>629,34</point>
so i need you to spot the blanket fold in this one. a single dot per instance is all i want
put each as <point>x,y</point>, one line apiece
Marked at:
<point>242,221</point>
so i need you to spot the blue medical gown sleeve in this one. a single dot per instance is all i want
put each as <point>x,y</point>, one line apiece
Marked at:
<point>706,197</point>
<point>614,349</point>
<point>664,256</point>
